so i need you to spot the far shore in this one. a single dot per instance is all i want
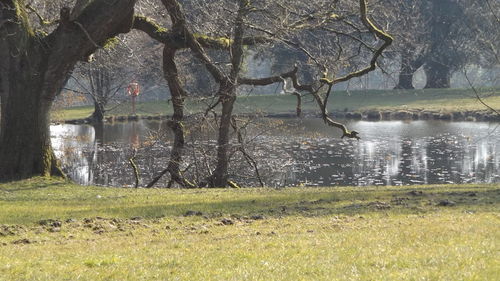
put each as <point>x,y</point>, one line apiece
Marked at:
<point>427,104</point>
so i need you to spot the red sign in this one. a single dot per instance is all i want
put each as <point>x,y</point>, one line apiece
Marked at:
<point>133,89</point>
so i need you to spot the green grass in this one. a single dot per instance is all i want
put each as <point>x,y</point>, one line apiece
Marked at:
<point>429,99</point>
<point>344,233</point>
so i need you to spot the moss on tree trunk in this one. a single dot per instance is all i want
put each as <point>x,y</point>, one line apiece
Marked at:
<point>34,69</point>
<point>25,148</point>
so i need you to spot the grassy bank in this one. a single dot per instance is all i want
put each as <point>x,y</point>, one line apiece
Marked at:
<point>430,99</point>
<point>54,230</point>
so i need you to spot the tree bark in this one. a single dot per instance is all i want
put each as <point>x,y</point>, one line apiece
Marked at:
<point>25,148</point>
<point>438,75</point>
<point>227,93</point>
<point>405,79</point>
<point>34,69</point>
<point>96,81</point>
<point>24,135</point>
<point>178,94</point>
<point>220,174</point>
<point>98,114</point>
<point>411,61</point>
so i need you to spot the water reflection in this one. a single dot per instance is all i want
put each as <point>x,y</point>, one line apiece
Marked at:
<point>299,152</point>
<point>76,146</point>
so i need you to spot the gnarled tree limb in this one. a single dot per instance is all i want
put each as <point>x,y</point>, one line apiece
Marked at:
<point>379,33</point>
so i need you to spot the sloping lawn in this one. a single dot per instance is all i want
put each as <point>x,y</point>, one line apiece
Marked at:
<point>55,230</point>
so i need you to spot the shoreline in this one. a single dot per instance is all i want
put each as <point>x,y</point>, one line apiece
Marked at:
<point>368,115</point>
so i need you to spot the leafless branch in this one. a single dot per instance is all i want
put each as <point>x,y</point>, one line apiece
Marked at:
<point>478,96</point>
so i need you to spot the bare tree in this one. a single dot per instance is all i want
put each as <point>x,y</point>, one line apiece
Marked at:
<point>337,38</point>
<point>104,79</point>
<point>442,36</point>
<point>295,33</point>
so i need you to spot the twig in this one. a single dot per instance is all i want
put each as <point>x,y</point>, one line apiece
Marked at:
<point>247,156</point>
<point>477,94</point>
<point>492,11</point>
<point>157,178</point>
<point>131,160</point>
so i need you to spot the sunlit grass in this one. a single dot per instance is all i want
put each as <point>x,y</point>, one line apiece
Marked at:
<point>428,99</point>
<point>338,233</point>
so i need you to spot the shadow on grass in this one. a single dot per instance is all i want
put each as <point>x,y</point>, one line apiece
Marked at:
<point>31,186</point>
<point>405,201</point>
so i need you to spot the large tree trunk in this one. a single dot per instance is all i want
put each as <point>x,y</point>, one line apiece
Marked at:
<point>34,68</point>
<point>98,114</point>
<point>25,148</point>
<point>405,80</point>
<point>410,63</point>
<point>24,134</point>
<point>438,75</point>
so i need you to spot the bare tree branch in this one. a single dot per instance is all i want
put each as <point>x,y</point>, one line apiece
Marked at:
<point>380,34</point>
<point>477,94</point>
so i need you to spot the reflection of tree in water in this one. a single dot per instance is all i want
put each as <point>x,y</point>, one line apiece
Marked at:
<point>420,168</point>
<point>323,162</point>
<point>485,161</point>
<point>442,157</point>
<point>374,165</point>
<point>73,145</point>
<point>458,159</point>
<point>134,136</point>
<point>99,155</point>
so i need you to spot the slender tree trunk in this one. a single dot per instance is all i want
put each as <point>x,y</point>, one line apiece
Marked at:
<point>438,75</point>
<point>227,92</point>
<point>220,175</point>
<point>177,93</point>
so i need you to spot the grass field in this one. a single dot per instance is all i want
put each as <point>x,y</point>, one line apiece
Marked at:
<point>55,230</point>
<point>430,99</point>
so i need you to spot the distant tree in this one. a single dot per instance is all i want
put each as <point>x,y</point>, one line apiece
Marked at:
<point>445,53</point>
<point>104,80</point>
<point>443,36</point>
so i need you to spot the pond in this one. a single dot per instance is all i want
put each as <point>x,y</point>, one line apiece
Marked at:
<point>291,152</point>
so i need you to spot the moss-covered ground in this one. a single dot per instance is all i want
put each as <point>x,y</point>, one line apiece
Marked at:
<point>55,230</point>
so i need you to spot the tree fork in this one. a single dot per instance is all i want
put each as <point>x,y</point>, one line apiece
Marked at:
<point>178,94</point>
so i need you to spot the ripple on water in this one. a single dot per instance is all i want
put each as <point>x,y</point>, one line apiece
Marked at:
<point>306,153</point>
